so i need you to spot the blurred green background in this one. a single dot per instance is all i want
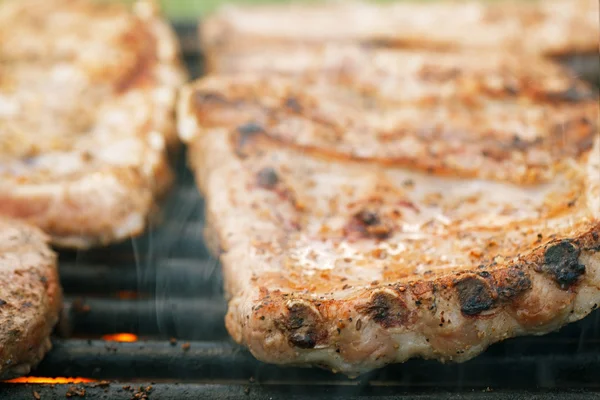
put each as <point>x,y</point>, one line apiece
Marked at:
<point>191,9</point>
<point>184,9</point>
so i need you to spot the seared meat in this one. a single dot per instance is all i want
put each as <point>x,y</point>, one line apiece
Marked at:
<point>492,116</point>
<point>30,297</point>
<point>419,206</point>
<point>87,95</point>
<point>551,28</point>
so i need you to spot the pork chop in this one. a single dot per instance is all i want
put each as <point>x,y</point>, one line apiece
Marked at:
<point>87,98</point>
<point>550,28</point>
<point>363,218</point>
<point>30,297</point>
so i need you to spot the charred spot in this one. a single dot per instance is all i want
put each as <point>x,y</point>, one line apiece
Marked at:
<point>267,178</point>
<point>511,89</point>
<point>512,284</point>
<point>474,296</point>
<point>368,218</point>
<point>561,260</point>
<point>296,316</point>
<point>303,340</point>
<point>250,129</point>
<point>301,326</point>
<point>3,303</point>
<point>27,304</point>
<point>368,224</point>
<point>245,133</point>
<point>292,104</point>
<point>519,144</point>
<point>386,309</point>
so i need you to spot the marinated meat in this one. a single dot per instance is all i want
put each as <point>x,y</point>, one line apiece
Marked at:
<point>549,28</point>
<point>30,297</point>
<point>87,97</point>
<point>363,218</point>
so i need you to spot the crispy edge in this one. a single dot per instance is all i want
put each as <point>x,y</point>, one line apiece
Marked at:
<point>33,345</point>
<point>102,207</point>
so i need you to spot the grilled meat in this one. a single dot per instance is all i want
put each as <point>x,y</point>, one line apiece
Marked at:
<point>363,218</point>
<point>493,116</point>
<point>542,28</point>
<point>550,28</point>
<point>30,297</point>
<point>87,94</point>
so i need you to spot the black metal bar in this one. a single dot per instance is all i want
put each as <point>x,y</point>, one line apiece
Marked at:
<point>165,316</point>
<point>181,238</point>
<point>249,391</point>
<point>180,277</point>
<point>219,361</point>
<point>586,66</point>
<point>188,37</point>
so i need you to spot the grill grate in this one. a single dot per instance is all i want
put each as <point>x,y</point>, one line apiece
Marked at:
<point>165,285</point>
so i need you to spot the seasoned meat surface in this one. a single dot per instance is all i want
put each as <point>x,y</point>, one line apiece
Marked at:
<point>87,94</point>
<point>397,205</point>
<point>30,297</point>
<point>494,116</point>
<point>552,27</point>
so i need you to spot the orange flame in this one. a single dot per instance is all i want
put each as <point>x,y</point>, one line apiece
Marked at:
<point>121,337</point>
<point>127,295</point>
<point>53,381</point>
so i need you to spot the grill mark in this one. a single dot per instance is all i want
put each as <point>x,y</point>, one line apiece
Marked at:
<point>301,326</point>
<point>561,261</point>
<point>495,149</point>
<point>385,309</point>
<point>474,295</point>
<point>485,291</point>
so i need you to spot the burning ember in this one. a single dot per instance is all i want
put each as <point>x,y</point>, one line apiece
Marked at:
<point>121,337</point>
<point>127,295</point>
<point>53,381</point>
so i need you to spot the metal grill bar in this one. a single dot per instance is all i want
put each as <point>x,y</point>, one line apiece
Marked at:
<point>105,279</point>
<point>194,319</point>
<point>222,360</point>
<point>248,391</point>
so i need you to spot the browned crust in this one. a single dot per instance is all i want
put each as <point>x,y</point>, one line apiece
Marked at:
<point>30,297</point>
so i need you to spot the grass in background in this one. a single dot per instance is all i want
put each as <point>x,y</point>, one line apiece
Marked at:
<point>192,9</point>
